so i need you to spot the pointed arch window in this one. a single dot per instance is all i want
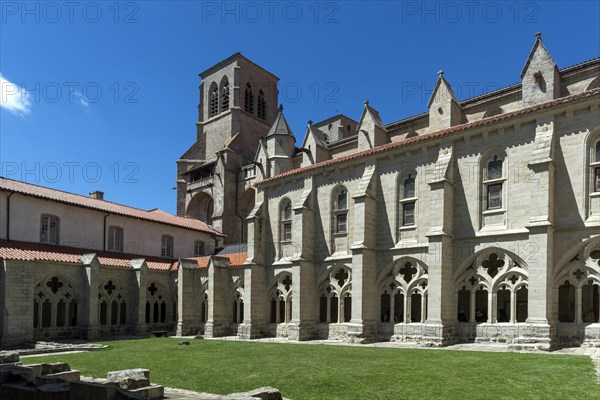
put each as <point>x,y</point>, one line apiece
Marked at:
<point>166,246</point>
<point>49,229</point>
<point>249,99</point>
<point>213,108</point>
<point>225,95</point>
<point>262,105</point>
<point>340,211</point>
<point>286,220</point>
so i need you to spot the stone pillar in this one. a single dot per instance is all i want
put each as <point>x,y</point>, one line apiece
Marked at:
<point>18,305</point>
<point>188,303</point>
<point>304,318</point>
<point>217,323</point>
<point>304,310</point>
<point>137,318</point>
<point>439,327</point>
<point>255,319</point>
<point>540,313</point>
<point>88,316</point>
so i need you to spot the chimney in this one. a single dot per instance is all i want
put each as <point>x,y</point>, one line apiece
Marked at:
<point>98,195</point>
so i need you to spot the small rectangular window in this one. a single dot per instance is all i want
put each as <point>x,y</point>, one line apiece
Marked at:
<point>166,248</point>
<point>287,231</point>
<point>198,248</point>
<point>408,214</point>
<point>341,226</point>
<point>115,239</point>
<point>49,229</point>
<point>494,196</point>
<point>597,173</point>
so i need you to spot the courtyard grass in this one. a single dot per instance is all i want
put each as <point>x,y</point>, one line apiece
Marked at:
<point>342,372</point>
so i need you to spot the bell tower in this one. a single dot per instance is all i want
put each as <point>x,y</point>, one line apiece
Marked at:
<point>238,104</point>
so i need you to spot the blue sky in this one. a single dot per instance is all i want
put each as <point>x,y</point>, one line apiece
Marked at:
<point>103,95</point>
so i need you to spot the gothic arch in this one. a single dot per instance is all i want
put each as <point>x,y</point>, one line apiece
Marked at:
<point>577,284</point>
<point>490,282</point>
<point>402,291</point>
<point>55,302</point>
<point>201,206</point>
<point>280,297</point>
<point>595,83</point>
<point>334,289</point>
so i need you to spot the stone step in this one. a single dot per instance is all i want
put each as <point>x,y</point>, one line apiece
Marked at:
<point>150,392</point>
<point>91,391</point>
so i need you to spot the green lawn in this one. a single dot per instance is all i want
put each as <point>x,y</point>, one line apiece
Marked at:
<point>343,372</point>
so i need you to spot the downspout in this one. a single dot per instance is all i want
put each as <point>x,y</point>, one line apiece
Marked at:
<point>8,216</point>
<point>104,233</point>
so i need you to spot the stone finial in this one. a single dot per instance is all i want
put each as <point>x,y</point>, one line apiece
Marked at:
<point>366,102</point>
<point>280,107</point>
<point>310,122</point>
<point>538,35</point>
<point>440,73</point>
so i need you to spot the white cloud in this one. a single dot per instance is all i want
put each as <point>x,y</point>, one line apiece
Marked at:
<point>13,98</point>
<point>82,99</point>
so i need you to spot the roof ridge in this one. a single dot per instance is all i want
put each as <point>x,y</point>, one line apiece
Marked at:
<point>435,134</point>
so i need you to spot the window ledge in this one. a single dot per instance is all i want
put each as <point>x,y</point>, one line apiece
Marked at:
<point>492,181</point>
<point>595,194</point>
<point>340,234</point>
<point>408,228</point>
<point>494,211</point>
<point>409,200</point>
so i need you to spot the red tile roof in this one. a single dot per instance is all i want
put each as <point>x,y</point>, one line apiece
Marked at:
<point>25,251</point>
<point>155,215</point>
<point>437,134</point>
<point>233,259</point>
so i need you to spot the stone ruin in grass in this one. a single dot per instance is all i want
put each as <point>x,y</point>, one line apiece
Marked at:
<point>57,381</point>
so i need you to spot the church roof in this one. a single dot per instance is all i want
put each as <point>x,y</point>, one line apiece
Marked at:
<point>280,126</point>
<point>26,251</point>
<point>437,134</point>
<point>155,215</point>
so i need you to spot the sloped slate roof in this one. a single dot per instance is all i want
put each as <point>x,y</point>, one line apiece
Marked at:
<point>280,127</point>
<point>26,251</point>
<point>155,215</point>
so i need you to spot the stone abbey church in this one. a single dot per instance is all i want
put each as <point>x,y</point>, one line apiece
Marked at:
<point>478,220</point>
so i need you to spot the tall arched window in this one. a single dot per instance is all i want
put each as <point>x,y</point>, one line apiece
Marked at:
<point>286,220</point>
<point>54,304</point>
<point>493,182</point>
<point>249,99</point>
<point>261,111</point>
<point>224,95</point>
<point>166,246</point>
<point>340,210</point>
<point>49,229</point>
<point>213,107</point>
<point>408,198</point>
<point>595,167</point>
<point>403,292</point>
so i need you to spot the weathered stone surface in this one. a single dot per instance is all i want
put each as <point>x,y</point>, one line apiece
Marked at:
<point>91,391</point>
<point>263,393</point>
<point>136,373</point>
<point>9,357</point>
